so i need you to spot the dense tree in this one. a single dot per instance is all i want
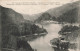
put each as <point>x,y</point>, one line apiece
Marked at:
<point>68,28</point>
<point>69,16</point>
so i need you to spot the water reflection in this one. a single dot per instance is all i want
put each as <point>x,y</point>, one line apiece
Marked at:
<point>42,43</point>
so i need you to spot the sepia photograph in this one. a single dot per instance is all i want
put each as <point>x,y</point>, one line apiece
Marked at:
<point>39,25</point>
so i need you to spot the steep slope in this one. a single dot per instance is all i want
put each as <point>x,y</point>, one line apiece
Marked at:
<point>0,31</point>
<point>66,9</point>
<point>13,25</point>
<point>70,16</point>
<point>11,15</point>
<point>10,23</point>
<point>62,9</point>
<point>44,17</point>
<point>11,20</point>
<point>31,17</point>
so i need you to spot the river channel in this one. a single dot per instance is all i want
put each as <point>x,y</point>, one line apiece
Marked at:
<point>43,43</point>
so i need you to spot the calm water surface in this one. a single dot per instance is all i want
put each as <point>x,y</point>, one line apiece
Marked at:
<point>42,43</point>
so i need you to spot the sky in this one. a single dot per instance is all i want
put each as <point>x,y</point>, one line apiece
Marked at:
<point>33,6</point>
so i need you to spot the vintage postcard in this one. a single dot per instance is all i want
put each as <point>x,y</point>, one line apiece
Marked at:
<point>39,25</point>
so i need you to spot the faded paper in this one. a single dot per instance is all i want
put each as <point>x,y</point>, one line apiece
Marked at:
<point>39,25</point>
